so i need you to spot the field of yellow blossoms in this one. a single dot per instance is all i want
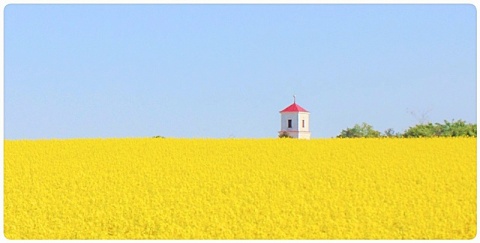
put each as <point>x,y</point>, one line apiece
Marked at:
<point>148,188</point>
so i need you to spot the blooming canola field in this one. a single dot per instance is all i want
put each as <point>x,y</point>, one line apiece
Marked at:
<point>153,188</point>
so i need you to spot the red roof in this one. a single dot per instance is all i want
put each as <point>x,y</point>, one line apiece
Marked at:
<point>293,108</point>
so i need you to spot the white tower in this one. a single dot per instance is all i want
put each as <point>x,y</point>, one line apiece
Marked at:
<point>295,121</point>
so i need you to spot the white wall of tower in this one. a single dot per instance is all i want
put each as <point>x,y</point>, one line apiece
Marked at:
<point>300,124</point>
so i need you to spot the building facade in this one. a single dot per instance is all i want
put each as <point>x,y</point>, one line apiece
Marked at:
<point>295,121</point>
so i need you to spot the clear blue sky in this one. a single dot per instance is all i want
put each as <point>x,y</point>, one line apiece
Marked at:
<point>76,71</point>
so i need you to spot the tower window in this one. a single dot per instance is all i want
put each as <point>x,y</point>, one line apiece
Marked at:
<point>289,123</point>
<point>303,123</point>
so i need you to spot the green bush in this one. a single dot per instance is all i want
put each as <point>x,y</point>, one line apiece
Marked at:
<point>284,135</point>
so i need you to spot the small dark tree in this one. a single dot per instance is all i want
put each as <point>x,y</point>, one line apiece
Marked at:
<point>390,133</point>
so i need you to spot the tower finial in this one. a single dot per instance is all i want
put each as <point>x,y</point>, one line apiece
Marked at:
<point>294,99</point>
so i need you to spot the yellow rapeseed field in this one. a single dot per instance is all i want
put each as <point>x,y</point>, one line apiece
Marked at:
<point>240,189</point>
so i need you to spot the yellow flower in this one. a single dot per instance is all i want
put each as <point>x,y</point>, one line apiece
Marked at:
<point>421,188</point>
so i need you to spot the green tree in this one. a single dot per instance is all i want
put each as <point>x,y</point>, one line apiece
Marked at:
<point>460,128</point>
<point>421,130</point>
<point>449,129</point>
<point>359,131</point>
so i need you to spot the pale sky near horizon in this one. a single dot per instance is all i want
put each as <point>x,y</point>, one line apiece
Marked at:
<point>218,71</point>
